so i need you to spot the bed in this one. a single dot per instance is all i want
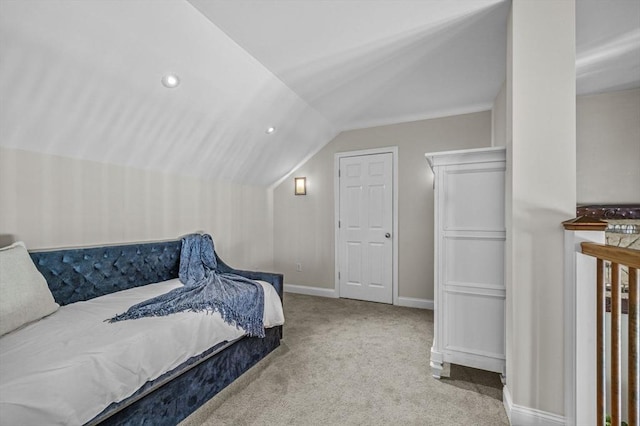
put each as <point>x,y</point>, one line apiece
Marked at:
<point>145,371</point>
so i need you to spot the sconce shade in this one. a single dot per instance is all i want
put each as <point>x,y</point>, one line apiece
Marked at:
<point>300,187</point>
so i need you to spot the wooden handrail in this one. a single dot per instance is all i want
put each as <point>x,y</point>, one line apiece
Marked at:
<point>634,338</point>
<point>631,258</point>
<point>620,255</point>
<point>601,352</point>
<point>616,346</point>
<point>584,223</point>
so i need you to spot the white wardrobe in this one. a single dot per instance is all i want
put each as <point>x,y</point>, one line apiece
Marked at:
<point>469,290</point>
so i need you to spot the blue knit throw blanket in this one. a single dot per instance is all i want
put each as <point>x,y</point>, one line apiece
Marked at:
<point>240,301</point>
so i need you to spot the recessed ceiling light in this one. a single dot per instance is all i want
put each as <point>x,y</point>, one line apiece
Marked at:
<point>170,81</point>
<point>270,130</point>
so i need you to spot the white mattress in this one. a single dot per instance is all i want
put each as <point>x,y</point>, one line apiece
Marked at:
<point>69,366</point>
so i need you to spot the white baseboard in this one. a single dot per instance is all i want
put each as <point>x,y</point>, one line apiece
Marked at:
<point>525,416</point>
<point>310,291</point>
<point>409,302</point>
<point>413,302</point>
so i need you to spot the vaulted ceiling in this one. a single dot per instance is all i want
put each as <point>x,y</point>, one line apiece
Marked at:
<point>364,63</point>
<point>82,78</point>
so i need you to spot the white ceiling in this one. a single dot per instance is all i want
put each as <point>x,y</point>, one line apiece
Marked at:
<point>607,45</point>
<point>364,63</point>
<point>82,78</point>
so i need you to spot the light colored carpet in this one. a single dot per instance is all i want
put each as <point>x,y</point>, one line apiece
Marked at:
<point>348,362</point>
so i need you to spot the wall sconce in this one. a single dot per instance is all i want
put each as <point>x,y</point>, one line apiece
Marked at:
<point>300,187</point>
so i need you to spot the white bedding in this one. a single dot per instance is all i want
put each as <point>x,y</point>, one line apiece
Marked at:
<point>69,366</point>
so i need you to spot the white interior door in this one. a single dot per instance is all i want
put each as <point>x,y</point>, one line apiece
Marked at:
<point>365,226</point>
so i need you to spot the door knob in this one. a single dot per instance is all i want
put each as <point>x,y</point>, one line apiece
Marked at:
<point>387,235</point>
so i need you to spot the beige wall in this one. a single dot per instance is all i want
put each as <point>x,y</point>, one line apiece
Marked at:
<point>50,201</point>
<point>541,193</point>
<point>607,145</point>
<point>608,149</point>
<point>304,225</point>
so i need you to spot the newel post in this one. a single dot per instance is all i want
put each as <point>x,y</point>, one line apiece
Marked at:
<point>580,320</point>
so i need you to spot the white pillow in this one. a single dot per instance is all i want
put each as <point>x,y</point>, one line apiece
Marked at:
<point>24,294</point>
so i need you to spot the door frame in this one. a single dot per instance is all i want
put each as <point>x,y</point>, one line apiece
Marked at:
<point>393,150</point>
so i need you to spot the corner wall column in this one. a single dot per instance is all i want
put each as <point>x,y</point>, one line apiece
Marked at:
<point>540,194</point>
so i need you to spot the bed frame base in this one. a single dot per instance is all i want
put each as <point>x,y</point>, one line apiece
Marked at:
<point>178,398</point>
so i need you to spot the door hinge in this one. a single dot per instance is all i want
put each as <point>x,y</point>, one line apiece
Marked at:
<point>339,173</point>
<point>339,224</point>
<point>338,276</point>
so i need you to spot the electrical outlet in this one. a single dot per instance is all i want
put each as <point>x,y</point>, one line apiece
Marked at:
<point>299,267</point>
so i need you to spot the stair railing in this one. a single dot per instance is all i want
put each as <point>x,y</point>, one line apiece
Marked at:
<point>618,257</point>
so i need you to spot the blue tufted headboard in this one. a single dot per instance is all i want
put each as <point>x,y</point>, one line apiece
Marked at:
<point>77,274</point>
<point>80,274</point>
